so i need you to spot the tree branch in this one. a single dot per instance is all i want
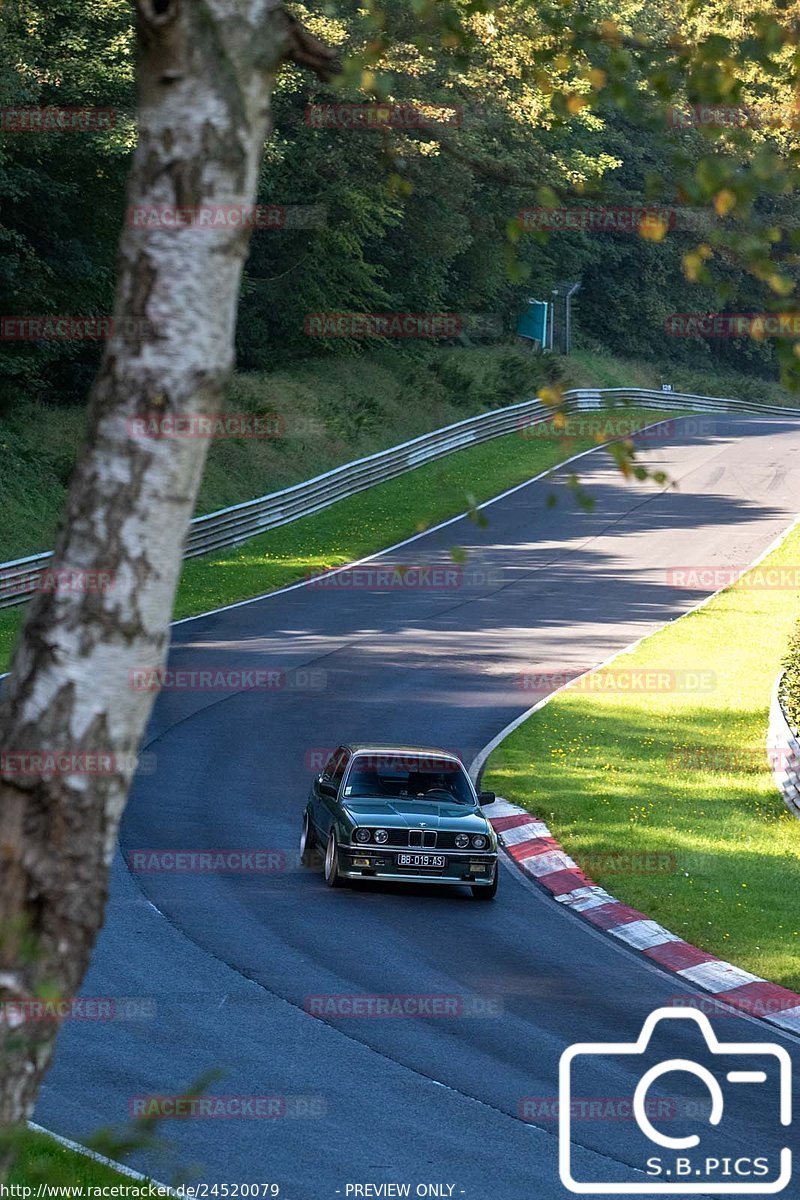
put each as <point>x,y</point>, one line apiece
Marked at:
<point>308,51</point>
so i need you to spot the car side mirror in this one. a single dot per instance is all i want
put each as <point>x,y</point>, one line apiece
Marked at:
<point>486,798</point>
<point>326,788</point>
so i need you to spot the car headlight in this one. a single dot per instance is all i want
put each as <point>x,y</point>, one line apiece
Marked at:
<point>462,841</point>
<point>362,835</point>
<point>381,837</point>
<point>480,841</point>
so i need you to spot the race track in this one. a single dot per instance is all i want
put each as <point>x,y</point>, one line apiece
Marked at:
<point>230,961</point>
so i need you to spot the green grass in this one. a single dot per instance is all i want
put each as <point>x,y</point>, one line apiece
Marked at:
<point>364,523</point>
<point>587,367</point>
<point>40,1159</point>
<point>682,773</point>
<point>10,621</point>
<point>332,410</point>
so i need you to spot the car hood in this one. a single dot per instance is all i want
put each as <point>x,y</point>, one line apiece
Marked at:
<point>413,814</point>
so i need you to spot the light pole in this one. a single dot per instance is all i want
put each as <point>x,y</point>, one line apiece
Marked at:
<point>566,291</point>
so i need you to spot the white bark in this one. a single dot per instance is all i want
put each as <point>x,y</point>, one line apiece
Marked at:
<point>206,69</point>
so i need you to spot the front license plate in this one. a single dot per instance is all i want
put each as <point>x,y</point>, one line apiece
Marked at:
<point>421,860</point>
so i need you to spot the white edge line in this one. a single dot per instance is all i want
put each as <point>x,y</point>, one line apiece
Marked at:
<point>77,1148</point>
<point>478,762</point>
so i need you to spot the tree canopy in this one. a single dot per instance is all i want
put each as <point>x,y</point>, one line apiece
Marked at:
<point>494,115</point>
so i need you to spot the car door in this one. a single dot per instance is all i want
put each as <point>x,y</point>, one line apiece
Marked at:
<point>314,796</point>
<point>325,807</point>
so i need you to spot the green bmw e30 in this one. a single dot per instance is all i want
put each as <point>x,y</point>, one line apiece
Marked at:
<point>400,813</point>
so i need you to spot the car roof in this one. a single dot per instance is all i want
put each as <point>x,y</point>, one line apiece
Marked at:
<point>399,748</point>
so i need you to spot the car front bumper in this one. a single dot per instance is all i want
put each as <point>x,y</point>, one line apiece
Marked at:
<point>471,869</point>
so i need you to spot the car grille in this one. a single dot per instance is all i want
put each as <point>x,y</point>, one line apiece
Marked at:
<point>447,841</point>
<point>422,839</point>
<point>416,838</point>
<point>397,837</point>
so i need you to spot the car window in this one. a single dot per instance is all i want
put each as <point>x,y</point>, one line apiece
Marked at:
<point>416,777</point>
<point>336,766</point>
<point>330,765</point>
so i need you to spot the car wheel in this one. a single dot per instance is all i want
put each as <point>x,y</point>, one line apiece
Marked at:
<point>308,841</point>
<point>487,893</point>
<point>332,876</point>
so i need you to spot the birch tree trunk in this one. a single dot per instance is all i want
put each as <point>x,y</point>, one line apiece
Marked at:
<point>206,69</point>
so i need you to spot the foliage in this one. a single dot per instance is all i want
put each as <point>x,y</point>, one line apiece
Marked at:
<point>790,684</point>
<point>61,192</point>
<point>522,107</point>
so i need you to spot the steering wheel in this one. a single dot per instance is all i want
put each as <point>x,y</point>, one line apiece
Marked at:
<point>438,791</point>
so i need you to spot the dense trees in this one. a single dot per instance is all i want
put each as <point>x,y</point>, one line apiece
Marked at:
<point>61,192</point>
<point>530,105</point>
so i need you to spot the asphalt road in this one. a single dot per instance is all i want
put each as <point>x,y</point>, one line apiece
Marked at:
<point>230,964</point>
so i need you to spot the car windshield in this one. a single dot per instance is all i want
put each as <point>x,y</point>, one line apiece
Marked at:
<point>410,776</point>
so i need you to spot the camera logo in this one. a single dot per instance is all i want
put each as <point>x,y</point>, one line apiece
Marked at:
<point>689,1162</point>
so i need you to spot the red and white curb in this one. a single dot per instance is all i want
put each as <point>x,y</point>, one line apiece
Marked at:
<point>534,850</point>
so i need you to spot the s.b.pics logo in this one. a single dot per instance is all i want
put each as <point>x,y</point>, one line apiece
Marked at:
<point>710,1145</point>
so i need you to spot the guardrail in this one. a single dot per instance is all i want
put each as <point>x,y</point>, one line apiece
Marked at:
<point>230,526</point>
<point>783,751</point>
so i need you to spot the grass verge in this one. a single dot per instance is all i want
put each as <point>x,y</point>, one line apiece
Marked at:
<point>682,773</point>
<point>369,521</point>
<point>594,367</point>
<point>41,1160</point>
<point>319,414</point>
